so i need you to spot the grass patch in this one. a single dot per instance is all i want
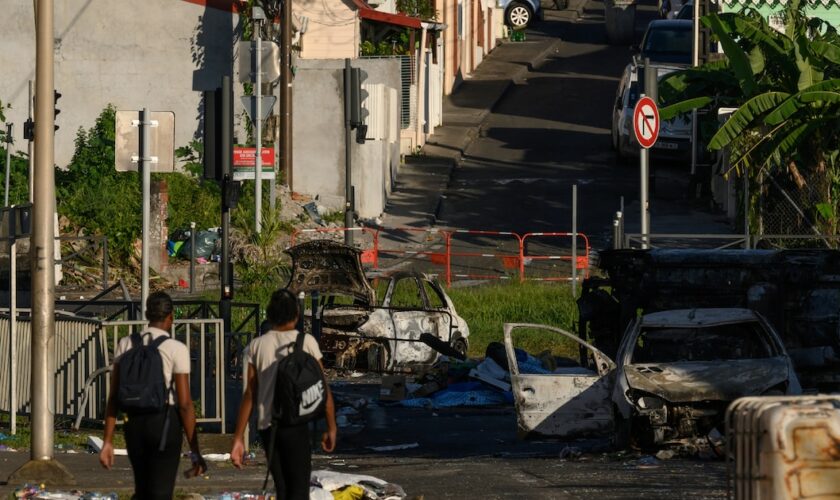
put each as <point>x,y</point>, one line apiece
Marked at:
<point>487,307</point>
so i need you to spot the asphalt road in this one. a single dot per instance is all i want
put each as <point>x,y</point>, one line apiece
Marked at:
<point>551,131</point>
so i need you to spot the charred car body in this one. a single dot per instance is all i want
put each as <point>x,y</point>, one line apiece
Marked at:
<point>680,369</point>
<point>675,374</point>
<point>381,322</point>
<point>797,292</point>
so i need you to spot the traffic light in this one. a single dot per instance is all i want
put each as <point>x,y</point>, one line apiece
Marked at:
<point>212,134</point>
<point>358,95</point>
<point>29,129</point>
<point>56,97</point>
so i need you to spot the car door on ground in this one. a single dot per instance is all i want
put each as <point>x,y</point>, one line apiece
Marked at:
<point>571,401</point>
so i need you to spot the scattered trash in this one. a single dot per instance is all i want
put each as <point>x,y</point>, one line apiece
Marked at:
<point>3,447</point>
<point>374,488</point>
<point>312,210</point>
<point>217,457</point>
<point>40,492</point>
<point>646,462</point>
<point>665,454</point>
<point>570,452</point>
<point>95,443</point>
<point>395,447</point>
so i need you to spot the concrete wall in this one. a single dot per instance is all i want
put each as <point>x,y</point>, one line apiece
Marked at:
<point>319,159</point>
<point>155,53</point>
<point>332,31</point>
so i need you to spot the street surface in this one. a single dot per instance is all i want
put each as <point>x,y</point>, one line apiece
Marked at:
<point>547,132</point>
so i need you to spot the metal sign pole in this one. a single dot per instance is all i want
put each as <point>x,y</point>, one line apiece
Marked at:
<point>29,149</point>
<point>9,128</point>
<point>258,119</point>
<point>145,172</point>
<point>643,195</point>
<point>348,195</point>
<point>574,240</point>
<point>12,322</point>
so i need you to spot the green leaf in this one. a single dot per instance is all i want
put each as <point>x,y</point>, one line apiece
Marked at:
<point>825,210</point>
<point>738,59</point>
<point>793,104</point>
<point>756,60</point>
<point>828,51</point>
<point>822,97</point>
<point>679,108</point>
<point>745,117</point>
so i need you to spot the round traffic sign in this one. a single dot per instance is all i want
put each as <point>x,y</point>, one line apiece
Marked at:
<point>646,122</point>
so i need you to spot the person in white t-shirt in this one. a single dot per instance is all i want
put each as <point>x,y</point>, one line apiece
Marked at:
<point>292,466</point>
<point>155,469</point>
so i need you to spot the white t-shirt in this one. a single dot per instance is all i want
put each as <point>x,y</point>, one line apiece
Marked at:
<point>264,352</point>
<point>174,355</point>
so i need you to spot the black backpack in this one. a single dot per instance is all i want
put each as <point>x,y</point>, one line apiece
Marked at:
<point>300,391</point>
<point>142,387</point>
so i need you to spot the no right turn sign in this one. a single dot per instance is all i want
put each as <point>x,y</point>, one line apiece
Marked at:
<point>646,122</point>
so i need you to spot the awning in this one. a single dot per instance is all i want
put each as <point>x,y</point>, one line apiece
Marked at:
<point>371,14</point>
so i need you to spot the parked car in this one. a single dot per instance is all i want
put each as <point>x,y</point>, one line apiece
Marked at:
<point>519,14</point>
<point>381,322</point>
<point>674,140</point>
<point>668,41</point>
<point>686,11</point>
<point>674,376</point>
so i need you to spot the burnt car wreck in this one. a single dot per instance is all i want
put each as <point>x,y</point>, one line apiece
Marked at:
<point>669,338</point>
<point>381,322</point>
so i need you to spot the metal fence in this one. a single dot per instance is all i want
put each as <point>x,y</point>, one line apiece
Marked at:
<point>83,355</point>
<point>80,350</point>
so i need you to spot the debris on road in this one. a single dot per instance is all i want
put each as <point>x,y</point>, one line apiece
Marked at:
<point>395,447</point>
<point>374,488</point>
<point>95,443</point>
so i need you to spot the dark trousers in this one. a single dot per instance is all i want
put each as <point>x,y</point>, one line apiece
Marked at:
<point>290,461</point>
<point>154,470</point>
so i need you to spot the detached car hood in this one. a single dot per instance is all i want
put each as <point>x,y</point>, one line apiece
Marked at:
<point>693,381</point>
<point>329,267</point>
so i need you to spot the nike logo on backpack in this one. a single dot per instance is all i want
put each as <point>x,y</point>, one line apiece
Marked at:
<point>311,398</point>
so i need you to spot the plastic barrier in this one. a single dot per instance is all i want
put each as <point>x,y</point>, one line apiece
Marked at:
<point>370,249</point>
<point>582,260</point>
<point>427,247</point>
<point>467,253</point>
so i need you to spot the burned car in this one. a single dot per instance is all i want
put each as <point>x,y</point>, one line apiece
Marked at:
<point>680,369</point>
<point>381,322</point>
<point>675,373</point>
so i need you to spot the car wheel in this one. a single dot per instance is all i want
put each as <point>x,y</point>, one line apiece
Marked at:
<point>518,15</point>
<point>460,345</point>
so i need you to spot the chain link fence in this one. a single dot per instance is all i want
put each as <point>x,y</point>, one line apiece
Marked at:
<point>787,209</point>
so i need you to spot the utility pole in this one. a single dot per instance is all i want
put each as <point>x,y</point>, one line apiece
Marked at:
<point>258,16</point>
<point>42,467</point>
<point>29,149</point>
<point>286,91</point>
<point>348,154</point>
<point>146,175</point>
<point>228,192</point>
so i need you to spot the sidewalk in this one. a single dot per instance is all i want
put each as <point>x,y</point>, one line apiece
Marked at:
<point>423,179</point>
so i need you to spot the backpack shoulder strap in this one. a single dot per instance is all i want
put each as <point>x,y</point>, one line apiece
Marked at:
<point>158,341</point>
<point>136,339</point>
<point>299,342</point>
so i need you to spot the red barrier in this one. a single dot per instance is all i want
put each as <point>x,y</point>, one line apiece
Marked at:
<point>509,259</point>
<point>582,261</point>
<point>423,239</point>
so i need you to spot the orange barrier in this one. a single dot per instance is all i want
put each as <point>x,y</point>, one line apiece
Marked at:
<point>370,253</point>
<point>582,261</point>
<point>508,259</point>
<point>450,258</point>
<point>412,236</point>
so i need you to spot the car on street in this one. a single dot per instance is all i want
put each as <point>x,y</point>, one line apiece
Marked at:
<point>675,373</point>
<point>667,41</point>
<point>379,322</point>
<point>686,11</point>
<point>668,9</point>
<point>519,14</point>
<point>674,140</point>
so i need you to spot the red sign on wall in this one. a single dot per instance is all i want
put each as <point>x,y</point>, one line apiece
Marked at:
<point>247,157</point>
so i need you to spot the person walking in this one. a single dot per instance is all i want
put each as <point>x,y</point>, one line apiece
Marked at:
<point>290,460</point>
<point>150,384</point>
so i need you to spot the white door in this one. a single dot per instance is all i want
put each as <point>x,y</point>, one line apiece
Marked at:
<point>571,402</point>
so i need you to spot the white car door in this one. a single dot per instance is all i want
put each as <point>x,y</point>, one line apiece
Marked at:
<point>570,402</point>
